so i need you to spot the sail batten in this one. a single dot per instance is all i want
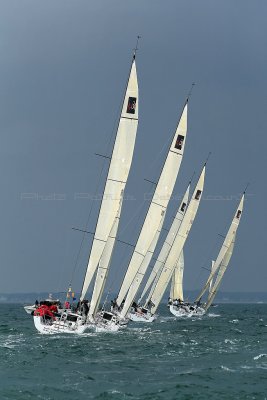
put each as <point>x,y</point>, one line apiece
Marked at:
<point>158,205</point>
<point>119,168</point>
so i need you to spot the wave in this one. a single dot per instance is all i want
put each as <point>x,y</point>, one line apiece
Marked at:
<point>227,369</point>
<point>260,356</point>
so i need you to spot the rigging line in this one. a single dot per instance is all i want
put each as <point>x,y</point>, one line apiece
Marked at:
<point>140,230</point>
<point>246,188</point>
<point>96,191</point>
<point>207,260</point>
<point>87,223</point>
<point>191,90</point>
<point>134,227</point>
<point>105,301</point>
<point>136,46</point>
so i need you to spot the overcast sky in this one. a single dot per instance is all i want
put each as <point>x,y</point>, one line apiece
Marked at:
<point>63,69</point>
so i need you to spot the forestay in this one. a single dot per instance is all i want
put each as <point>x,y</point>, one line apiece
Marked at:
<point>178,244</point>
<point>117,175</point>
<point>158,204</point>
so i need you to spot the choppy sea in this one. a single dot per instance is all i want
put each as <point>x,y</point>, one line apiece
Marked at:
<point>222,355</point>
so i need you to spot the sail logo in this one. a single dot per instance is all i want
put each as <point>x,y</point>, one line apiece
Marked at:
<point>131,105</point>
<point>183,207</point>
<point>198,193</point>
<point>179,142</point>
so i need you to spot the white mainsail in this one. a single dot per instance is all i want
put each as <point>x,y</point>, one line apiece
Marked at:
<point>103,266</point>
<point>158,204</point>
<point>167,245</point>
<point>117,175</point>
<point>222,269</point>
<point>177,280</point>
<point>211,273</point>
<point>178,244</point>
<point>225,246</point>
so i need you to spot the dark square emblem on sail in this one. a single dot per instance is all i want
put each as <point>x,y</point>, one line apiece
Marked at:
<point>183,207</point>
<point>179,142</point>
<point>197,196</point>
<point>131,105</point>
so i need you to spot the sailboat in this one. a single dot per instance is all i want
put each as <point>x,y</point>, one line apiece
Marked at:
<point>153,222</point>
<point>175,252</point>
<point>108,218</point>
<point>140,313</point>
<point>218,269</point>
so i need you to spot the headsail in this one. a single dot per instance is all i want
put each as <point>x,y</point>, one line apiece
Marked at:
<point>117,175</point>
<point>225,246</point>
<point>143,267</point>
<point>222,269</point>
<point>177,280</point>
<point>103,266</point>
<point>211,273</point>
<point>178,244</point>
<point>158,204</point>
<point>167,245</point>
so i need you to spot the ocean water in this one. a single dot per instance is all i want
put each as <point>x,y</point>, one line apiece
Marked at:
<point>222,355</point>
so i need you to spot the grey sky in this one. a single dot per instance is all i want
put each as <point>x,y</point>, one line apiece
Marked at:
<point>63,69</point>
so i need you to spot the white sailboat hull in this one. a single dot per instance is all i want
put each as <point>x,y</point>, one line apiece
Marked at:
<point>186,311</point>
<point>59,325</point>
<point>108,322</point>
<point>138,317</point>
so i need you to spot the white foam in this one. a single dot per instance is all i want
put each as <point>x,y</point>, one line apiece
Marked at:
<point>230,341</point>
<point>260,356</point>
<point>227,369</point>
